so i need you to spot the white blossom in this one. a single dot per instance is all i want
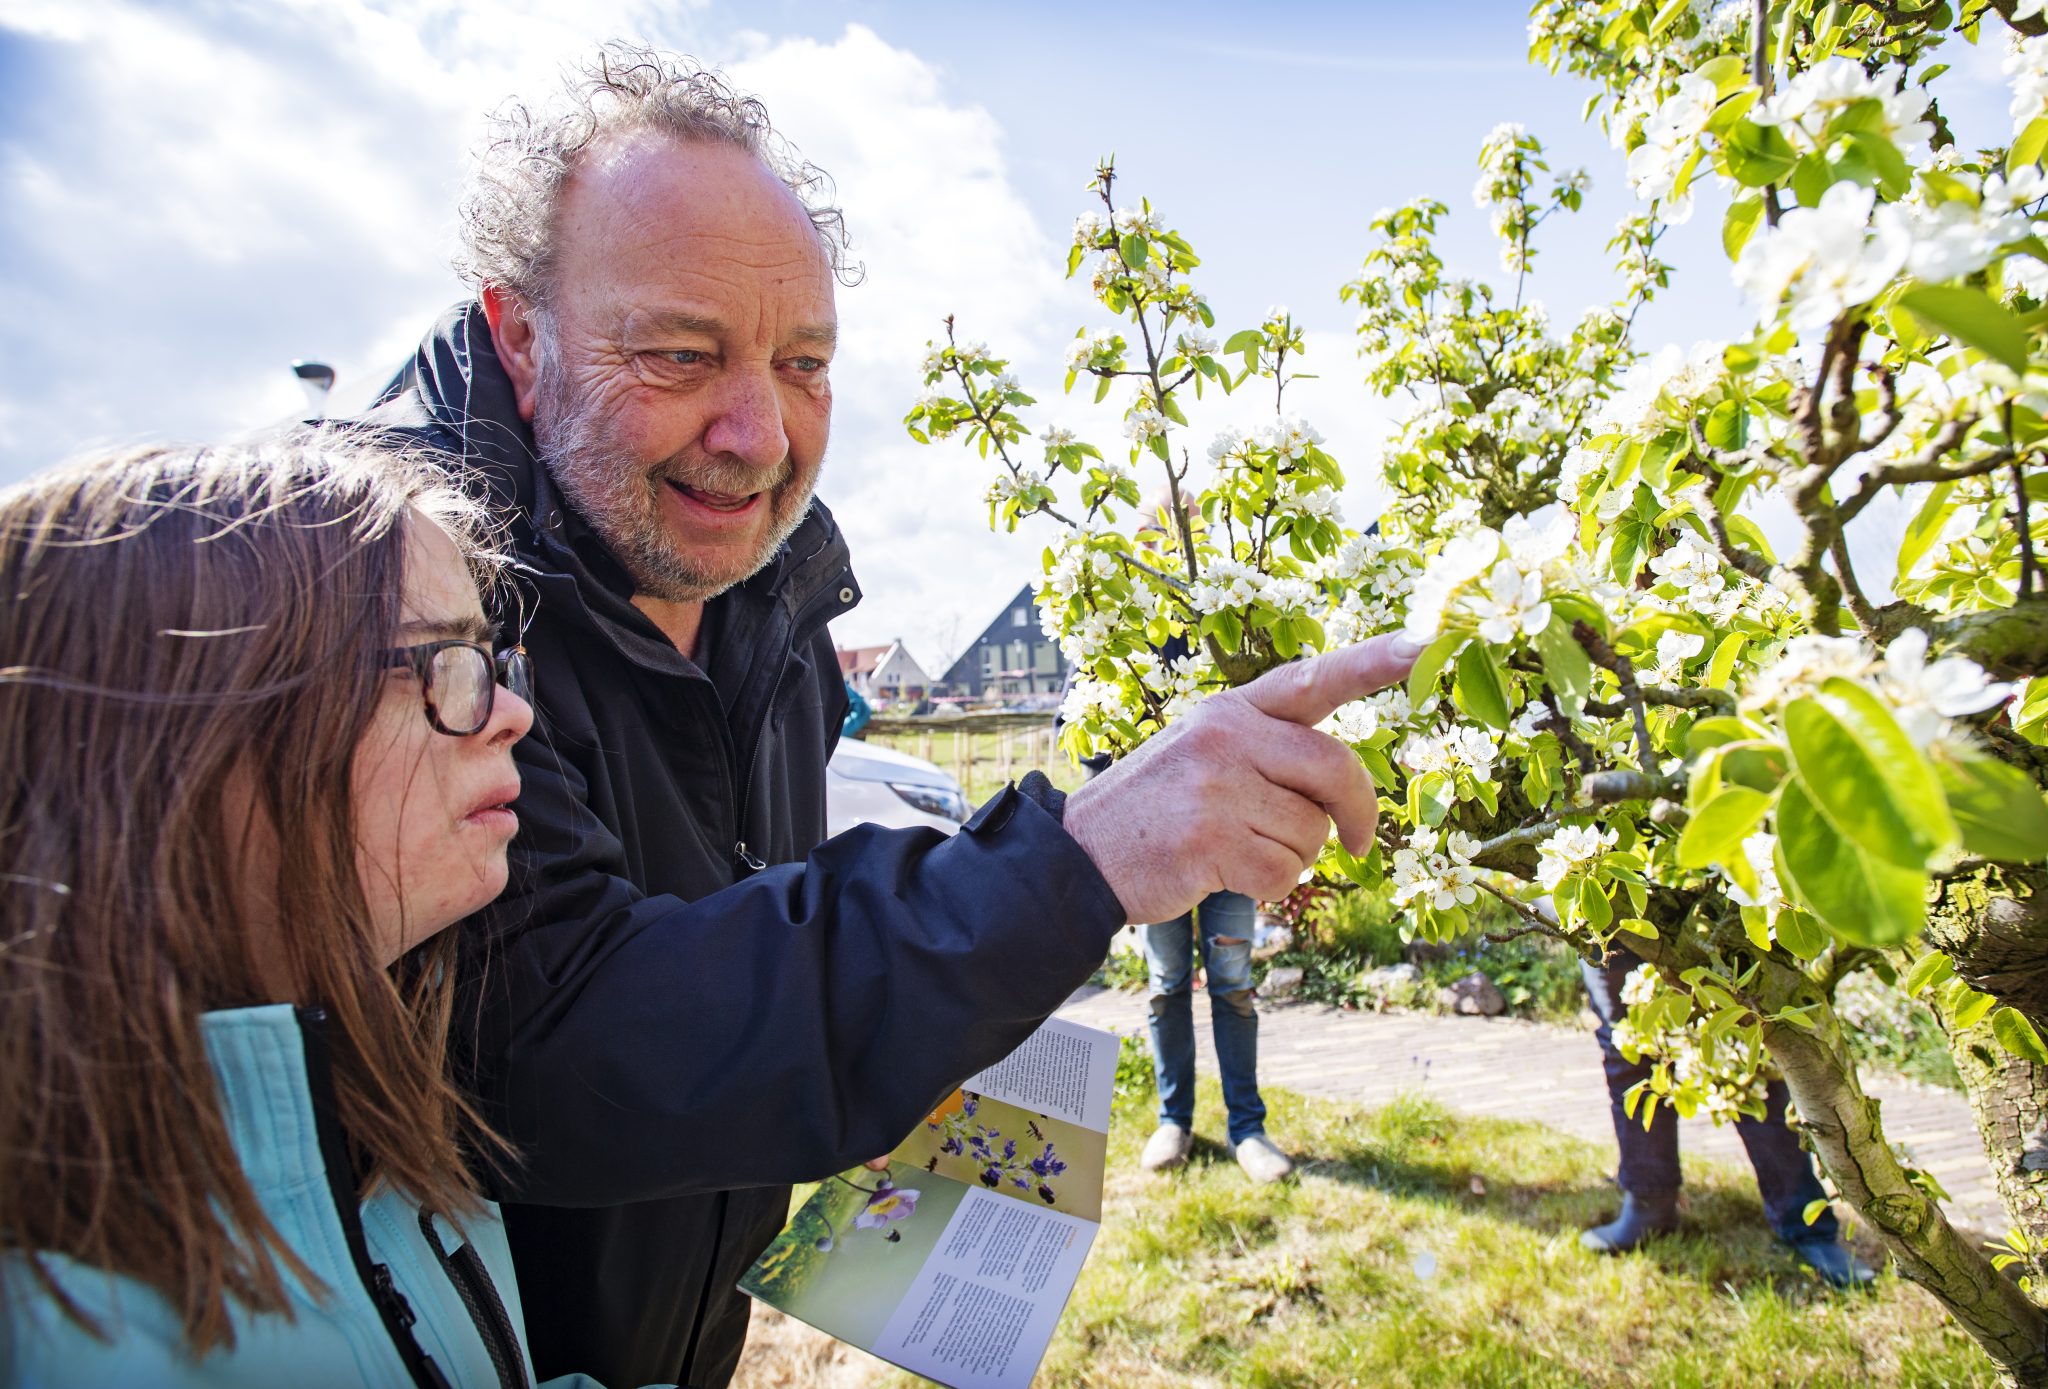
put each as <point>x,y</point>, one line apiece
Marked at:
<point>1759,852</point>
<point>1463,559</point>
<point>1804,106</point>
<point>1129,219</point>
<point>1436,869</point>
<point>1805,664</point>
<point>1694,570</point>
<point>1925,694</point>
<point>1822,260</point>
<point>1510,604</point>
<point>1144,422</point>
<point>1362,719</point>
<point>1561,855</point>
<point>1291,438</point>
<point>1225,584</point>
<point>1545,534</point>
<point>1459,748</point>
<point>1674,648</point>
<point>1670,136</point>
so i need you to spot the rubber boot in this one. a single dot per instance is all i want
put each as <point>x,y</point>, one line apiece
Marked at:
<point>1641,1218</point>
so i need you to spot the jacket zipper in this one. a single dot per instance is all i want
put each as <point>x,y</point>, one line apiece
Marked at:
<point>465,1269</point>
<point>391,1305</point>
<point>749,861</point>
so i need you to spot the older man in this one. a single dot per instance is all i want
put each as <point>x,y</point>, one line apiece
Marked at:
<point>669,1027</point>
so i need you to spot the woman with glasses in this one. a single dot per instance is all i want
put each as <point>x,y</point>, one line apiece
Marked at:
<point>255,754</point>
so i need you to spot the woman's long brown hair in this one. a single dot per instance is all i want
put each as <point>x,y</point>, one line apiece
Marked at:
<point>190,649</point>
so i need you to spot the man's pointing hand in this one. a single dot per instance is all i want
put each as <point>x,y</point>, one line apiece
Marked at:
<point>1241,793</point>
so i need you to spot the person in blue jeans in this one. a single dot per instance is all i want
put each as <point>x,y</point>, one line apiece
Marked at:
<point>1223,924</point>
<point>1648,1175</point>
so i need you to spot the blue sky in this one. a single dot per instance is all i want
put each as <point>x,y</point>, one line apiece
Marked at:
<point>191,195</point>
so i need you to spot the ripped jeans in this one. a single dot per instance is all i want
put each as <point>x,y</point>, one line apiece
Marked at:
<point>1225,922</point>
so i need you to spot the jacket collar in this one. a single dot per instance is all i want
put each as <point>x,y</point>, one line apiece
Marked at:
<point>456,384</point>
<point>259,1063</point>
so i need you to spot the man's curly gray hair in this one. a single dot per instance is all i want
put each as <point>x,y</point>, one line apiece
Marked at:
<point>508,209</point>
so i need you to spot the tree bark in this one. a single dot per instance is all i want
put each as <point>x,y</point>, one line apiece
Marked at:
<point>1843,1124</point>
<point>1999,946</point>
<point>2009,1100</point>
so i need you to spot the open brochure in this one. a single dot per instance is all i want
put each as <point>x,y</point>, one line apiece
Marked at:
<point>956,1263</point>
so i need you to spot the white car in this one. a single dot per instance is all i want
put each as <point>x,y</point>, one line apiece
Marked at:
<point>866,784</point>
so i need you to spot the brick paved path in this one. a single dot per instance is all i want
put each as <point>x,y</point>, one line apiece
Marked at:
<point>1511,1069</point>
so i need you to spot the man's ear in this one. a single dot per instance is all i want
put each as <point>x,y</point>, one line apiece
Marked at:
<point>514,335</point>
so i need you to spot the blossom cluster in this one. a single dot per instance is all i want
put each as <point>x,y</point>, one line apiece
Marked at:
<point>1924,697</point>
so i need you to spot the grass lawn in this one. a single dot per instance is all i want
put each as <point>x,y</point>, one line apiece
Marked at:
<point>1416,1248</point>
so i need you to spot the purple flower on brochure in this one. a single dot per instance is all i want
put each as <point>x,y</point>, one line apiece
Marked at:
<point>890,1204</point>
<point>1046,1164</point>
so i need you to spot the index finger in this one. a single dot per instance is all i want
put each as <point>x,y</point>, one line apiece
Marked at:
<point>1307,692</point>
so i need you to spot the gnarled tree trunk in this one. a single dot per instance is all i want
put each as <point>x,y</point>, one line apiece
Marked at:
<point>1843,1124</point>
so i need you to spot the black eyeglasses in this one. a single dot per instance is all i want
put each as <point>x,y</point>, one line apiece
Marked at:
<point>459,680</point>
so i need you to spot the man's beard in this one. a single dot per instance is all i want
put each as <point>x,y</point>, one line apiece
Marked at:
<point>620,496</point>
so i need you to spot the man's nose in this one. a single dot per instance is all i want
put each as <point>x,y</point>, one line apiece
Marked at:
<point>748,425</point>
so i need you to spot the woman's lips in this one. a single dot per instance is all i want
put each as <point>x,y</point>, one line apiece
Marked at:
<point>495,809</point>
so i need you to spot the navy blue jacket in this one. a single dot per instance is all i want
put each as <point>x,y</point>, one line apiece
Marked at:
<point>668,1035</point>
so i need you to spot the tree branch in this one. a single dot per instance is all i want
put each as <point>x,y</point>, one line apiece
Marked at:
<point>1624,672</point>
<point>1845,574</point>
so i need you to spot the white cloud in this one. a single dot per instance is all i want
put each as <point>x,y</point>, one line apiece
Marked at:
<point>941,230</point>
<point>229,189</point>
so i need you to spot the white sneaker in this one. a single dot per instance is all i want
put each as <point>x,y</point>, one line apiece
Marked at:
<point>1168,1146</point>
<point>1261,1161</point>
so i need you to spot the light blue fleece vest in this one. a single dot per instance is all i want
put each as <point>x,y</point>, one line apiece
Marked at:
<point>259,1058</point>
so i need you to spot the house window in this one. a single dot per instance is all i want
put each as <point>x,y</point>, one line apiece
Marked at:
<point>1045,659</point>
<point>1020,617</point>
<point>988,662</point>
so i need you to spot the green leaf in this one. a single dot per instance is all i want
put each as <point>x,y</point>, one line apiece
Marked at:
<point>1429,665</point>
<point>1931,968</point>
<point>1716,832</point>
<point>1801,934</point>
<point>1376,763</point>
<point>1926,526</point>
<point>1758,764</point>
<point>1480,690</point>
<point>1998,808</point>
<point>1858,896</point>
<point>1430,798</point>
<point>1893,178</point>
<point>1814,1210</point>
<point>2027,148</point>
<point>1727,426</point>
<point>1867,777</point>
<point>1726,72</point>
<point>1971,316</point>
<point>1740,223</point>
<point>1716,731</point>
<point>2017,1035</point>
<point>1671,10</point>
<point>1966,1007</point>
<point>1722,666</point>
<point>1811,178</point>
<point>1135,250</point>
<point>1245,340</point>
<point>1757,154</point>
<point>1564,662</point>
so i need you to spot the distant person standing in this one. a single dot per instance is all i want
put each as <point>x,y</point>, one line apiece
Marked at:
<point>1222,925</point>
<point>1649,1176</point>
